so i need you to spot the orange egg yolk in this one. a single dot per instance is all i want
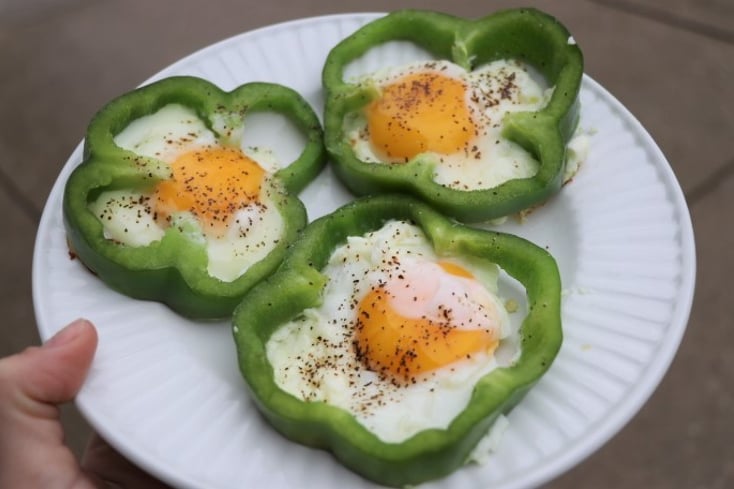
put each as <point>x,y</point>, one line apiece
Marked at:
<point>401,348</point>
<point>212,184</point>
<point>418,113</point>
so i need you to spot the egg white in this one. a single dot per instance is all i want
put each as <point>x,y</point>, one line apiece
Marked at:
<point>127,217</point>
<point>313,356</point>
<point>493,159</point>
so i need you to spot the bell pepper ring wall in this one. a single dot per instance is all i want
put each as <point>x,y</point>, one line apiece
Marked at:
<point>297,285</point>
<point>173,270</point>
<point>524,34</point>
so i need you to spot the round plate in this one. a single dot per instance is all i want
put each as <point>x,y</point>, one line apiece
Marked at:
<point>167,393</point>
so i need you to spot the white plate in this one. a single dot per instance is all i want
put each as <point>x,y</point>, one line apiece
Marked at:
<point>167,393</point>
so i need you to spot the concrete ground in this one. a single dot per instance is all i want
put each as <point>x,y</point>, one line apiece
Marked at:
<point>671,62</point>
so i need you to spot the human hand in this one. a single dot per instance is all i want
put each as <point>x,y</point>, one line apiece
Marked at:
<point>32,450</point>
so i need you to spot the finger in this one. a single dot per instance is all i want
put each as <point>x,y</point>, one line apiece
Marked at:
<point>106,464</point>
<point>32,451</point>
<point>55,372</point>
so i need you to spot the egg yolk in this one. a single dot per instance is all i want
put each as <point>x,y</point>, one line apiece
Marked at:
<point>402,348</point>
<point>212,184</point>
<point>420,112</point>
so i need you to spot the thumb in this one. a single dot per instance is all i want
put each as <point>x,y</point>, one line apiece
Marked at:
<point>55,372</point>
<point>32,450</point>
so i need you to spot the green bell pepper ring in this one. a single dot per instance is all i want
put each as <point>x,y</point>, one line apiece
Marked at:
<point>298,285</point>
<point>525,34</point>
<point>173,270</point>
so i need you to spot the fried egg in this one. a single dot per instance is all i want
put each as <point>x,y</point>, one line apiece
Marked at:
<point>401,337</point>
<point>222,195</point>
<point>450,118</point>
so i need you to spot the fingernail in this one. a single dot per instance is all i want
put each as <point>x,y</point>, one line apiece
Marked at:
<point>67,334</point>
